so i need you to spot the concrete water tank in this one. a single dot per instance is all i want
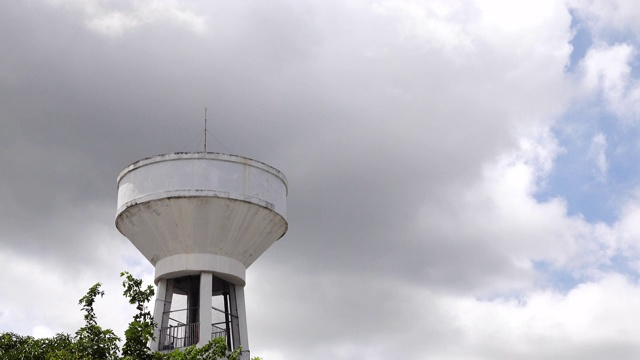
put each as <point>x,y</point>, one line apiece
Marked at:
<point>201,219</point>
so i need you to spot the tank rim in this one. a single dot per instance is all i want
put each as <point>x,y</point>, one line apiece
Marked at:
<point>202,155</point>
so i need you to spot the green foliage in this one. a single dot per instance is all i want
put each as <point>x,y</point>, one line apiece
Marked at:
<point>214,349</point>
<point>14,347</point>
<point>92,342</point>
<point>140,330</point>
<point>59,347</point>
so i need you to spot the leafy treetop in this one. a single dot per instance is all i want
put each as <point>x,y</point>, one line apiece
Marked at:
<point>92,342</point>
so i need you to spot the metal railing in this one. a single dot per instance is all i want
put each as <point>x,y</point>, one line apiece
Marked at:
<point>217,331</point>
<point>185,335</point>
<point>180,336</point>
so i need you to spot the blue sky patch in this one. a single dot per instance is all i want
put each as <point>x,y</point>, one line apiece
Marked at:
<point>556,278</point>
<point>576,177</point>
<point>581,41</point>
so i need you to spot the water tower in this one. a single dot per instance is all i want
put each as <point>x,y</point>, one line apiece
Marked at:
<point>201,219</point>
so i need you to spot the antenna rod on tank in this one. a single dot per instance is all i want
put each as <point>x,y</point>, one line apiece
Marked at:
<point>205,130</point>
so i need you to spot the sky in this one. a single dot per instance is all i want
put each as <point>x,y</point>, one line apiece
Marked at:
<point>462,174</point>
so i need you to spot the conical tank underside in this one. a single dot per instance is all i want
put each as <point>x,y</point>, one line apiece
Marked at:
<point>179,207</point>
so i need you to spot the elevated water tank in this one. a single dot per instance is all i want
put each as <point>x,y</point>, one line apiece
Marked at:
<point>205,214</point>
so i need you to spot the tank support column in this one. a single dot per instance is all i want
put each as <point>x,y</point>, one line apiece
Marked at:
<point>161,312</point>
<point>239,320</point>
<point>206,285</point>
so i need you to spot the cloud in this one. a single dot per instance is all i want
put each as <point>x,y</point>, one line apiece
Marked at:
<point>594,320</point>
<point>590,321</point>
<point>598,152</point>
<point>608,18</point>
<point>607,71</point>
<point>114,19</point>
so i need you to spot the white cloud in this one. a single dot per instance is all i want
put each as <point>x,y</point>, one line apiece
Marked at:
<point>607,67</point>
<point>606,71</point>
<point>499,221</point>
<point>442,24</point>
<point>598,153</point>
<point>594,320</point>
<point>608,17</point>
<point>624,234</point>
<point>42,331</point>
<point>114,19</point>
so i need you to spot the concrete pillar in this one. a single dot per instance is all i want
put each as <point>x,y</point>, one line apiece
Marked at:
<point>239,320</point>
<point>206,284</point>
<point>164,295</point>
<point>193,301</point>
<point>168,297</point>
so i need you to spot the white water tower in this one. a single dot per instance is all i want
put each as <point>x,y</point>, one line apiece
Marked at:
<point>201,219</point>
